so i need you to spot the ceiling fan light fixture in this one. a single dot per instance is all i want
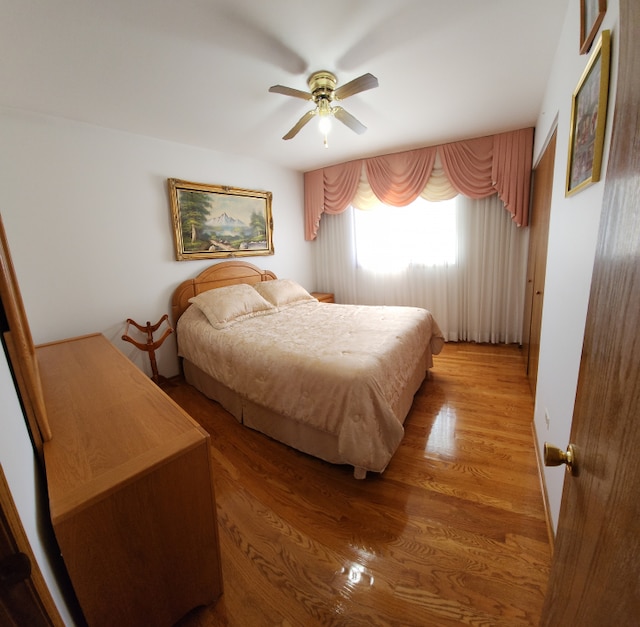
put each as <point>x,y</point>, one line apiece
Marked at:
<point>324,124</point>
<point>324,112</point>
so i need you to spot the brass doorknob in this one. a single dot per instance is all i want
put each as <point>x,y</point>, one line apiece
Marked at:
<point>554,456</point>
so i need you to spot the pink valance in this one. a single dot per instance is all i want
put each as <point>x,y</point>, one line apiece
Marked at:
<point>329,189</point>
<point>468,165</point>
<point>476,168</point>
<point>398,179</point>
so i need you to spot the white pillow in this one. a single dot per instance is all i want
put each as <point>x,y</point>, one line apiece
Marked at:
<point>225,306</point>
<point>283,292</point>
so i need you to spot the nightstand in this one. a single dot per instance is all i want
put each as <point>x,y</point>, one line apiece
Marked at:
<point>323,297</point>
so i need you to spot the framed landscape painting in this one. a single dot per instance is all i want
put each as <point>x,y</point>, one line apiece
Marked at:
<point>589,118</point>
<point>216,221</point>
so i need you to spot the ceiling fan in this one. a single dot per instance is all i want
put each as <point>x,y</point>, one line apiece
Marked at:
<point>323,92</point>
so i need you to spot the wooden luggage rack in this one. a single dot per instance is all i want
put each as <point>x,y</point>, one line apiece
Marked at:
<point>151,345</point>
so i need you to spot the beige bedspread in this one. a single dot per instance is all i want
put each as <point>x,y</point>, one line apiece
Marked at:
<point>339,368</point>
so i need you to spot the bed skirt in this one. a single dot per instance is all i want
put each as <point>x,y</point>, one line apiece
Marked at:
<point>291,432</point>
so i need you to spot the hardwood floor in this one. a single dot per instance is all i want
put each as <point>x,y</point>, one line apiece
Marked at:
<point>453,532</point>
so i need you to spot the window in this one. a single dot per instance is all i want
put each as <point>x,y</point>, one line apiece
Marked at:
<point>394,238</point>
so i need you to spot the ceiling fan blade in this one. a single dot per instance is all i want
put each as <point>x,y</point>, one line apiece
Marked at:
<point>290,91</point>
<point>301,122</point>
<point>347,119</point>
<point>362,83</point>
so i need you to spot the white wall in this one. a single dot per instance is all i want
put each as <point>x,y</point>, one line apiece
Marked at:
<point>87,216</point>
<point>573,231</point>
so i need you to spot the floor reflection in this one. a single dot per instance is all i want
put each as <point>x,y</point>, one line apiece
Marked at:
<point>357,574</point>
<point>354,575</point>
<point>442,438</point>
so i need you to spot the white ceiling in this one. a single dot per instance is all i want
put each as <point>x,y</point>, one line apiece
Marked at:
<point>198,71</point>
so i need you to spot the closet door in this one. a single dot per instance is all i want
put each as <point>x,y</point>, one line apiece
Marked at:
<point>537,263</point>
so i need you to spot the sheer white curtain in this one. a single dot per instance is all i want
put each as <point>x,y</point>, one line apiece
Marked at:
<point>475,295</point>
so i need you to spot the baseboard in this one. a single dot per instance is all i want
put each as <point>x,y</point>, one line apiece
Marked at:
<point>543,486</point>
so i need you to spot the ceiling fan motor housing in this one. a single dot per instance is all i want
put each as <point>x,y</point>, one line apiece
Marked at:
<point>322,85</point>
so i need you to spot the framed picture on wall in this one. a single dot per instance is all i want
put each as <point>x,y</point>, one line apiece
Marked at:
<point>216,221</point>
<point>591,16</point>
<point>589,118</point>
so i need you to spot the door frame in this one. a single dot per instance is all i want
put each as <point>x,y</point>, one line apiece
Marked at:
<point>35,589</point>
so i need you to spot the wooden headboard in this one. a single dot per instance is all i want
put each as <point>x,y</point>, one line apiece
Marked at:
<point>218,275</point>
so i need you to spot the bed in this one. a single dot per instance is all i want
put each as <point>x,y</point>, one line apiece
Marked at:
<point>333,381</point>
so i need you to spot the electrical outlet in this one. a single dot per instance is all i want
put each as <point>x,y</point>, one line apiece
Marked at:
<point>547,419</point>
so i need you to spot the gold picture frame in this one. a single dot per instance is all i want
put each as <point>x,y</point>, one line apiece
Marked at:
<point>589,119</point>
<point>591,15</point>
<point>216,221</point>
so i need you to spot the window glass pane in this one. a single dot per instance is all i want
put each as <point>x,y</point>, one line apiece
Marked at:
<point>393,238</point>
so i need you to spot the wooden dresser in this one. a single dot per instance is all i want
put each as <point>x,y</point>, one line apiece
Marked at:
<point>130,488</point>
